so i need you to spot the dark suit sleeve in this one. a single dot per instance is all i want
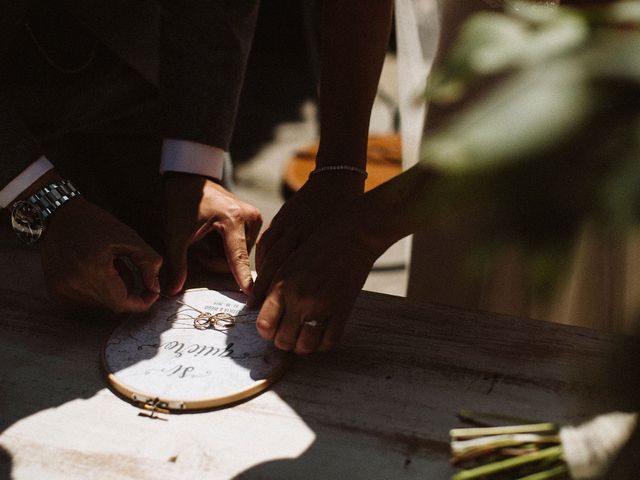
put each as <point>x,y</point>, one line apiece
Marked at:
<point>204,46</point>
<point>18,148</point>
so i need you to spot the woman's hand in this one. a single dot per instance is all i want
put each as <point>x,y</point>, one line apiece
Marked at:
<point>312,293</point>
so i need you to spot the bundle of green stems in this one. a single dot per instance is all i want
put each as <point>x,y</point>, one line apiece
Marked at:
<point>527,451</point>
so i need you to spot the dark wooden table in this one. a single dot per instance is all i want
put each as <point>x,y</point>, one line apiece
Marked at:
<point>378,407</point>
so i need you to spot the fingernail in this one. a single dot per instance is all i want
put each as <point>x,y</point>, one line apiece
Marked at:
<point>155,288</point>
<point>263,325</point>
<point>286,346</point>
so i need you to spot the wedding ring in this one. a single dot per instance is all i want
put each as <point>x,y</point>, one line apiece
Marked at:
<point>315,323</point>
<point>201,322</point>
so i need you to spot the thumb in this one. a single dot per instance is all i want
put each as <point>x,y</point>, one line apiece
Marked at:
<point>149,263</point>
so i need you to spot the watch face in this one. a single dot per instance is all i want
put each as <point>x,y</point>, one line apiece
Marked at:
<point>27,221</point>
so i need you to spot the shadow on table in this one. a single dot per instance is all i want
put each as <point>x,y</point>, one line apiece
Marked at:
<point>32,328</point>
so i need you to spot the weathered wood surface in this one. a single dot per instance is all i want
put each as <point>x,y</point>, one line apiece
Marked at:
<point>378,407</point>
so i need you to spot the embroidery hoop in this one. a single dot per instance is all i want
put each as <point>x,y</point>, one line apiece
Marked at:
<point>160,361</point>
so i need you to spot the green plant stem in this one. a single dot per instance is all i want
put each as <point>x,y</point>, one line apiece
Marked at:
<point>560,470</point>
<point>486,431</point>
<point>491,468</point>
<point>461,447</point>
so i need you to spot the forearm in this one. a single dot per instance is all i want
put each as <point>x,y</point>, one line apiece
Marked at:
<point>395,209</point>
<point>354,38</point>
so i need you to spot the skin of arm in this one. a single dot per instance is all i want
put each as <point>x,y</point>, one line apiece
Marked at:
<point>354,38</point>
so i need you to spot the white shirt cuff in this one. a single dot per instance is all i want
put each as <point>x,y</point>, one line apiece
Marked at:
<point>19,184</point>
<point>191,157</point>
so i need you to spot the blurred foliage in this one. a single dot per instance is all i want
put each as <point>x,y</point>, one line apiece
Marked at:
<point>555,141</point>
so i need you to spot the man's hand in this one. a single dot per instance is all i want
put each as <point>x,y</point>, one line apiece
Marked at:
<point>319,202</point>
<point>80,250</point>
<point>199,213</point>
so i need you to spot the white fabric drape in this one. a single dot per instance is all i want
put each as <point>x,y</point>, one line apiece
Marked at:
<point>417,34</point>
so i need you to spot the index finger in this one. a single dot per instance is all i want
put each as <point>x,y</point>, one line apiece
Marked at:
<point>235,249</point>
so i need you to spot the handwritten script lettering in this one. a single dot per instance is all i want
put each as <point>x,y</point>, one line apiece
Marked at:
<point>179,372</point>
<point>196,349</point>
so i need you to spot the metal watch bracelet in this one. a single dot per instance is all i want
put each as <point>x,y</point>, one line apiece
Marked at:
<point>28,216</point>
<point>54,195</point>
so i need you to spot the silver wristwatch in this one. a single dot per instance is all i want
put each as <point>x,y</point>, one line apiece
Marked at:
<point>28,216</point>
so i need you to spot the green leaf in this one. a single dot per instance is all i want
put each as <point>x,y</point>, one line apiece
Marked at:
<point>530,113</point>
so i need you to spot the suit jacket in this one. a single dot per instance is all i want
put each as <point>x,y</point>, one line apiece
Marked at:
<point>195,51</point>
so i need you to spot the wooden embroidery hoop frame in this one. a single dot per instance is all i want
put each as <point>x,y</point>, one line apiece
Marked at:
<point>162,404</point>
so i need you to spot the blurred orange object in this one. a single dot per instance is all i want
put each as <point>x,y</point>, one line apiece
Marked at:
<point>384,161</point>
